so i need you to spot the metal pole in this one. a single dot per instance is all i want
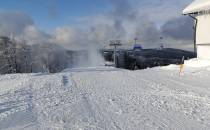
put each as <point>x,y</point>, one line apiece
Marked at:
<point>25,64</point>
<point>195,33</point>
<point>115,49</point>
<point>135,40</point>
<point>115,43</point>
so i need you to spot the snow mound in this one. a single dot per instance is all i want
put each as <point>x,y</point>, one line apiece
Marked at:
<point>170,67</point>
<point>197,63</point>
<point>191,64</point>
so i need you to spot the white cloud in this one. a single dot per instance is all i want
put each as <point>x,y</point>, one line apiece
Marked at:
<point>13,23</point>
<point>146,19</point>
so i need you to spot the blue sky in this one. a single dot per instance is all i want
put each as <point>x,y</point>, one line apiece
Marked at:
<point>69,22</point>
<point>49,14</point>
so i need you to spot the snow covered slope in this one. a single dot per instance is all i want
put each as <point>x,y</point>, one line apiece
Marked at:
<point>107,99</point>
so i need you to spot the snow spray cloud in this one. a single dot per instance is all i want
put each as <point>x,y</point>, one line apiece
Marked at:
<point>129,19</point>
<point>23,30</point>
<point>79,40</point>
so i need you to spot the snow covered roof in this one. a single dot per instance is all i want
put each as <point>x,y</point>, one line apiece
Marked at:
<point>197,6</point>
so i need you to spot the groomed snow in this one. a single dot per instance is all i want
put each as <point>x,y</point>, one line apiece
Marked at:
<point>197,6</point>
<point>107,99</point>
<point>197,63</point>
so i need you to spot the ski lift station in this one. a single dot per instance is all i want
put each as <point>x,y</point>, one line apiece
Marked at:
<point>199,10</point>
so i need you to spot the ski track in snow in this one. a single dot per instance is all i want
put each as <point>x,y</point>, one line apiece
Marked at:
<point>106,99</point>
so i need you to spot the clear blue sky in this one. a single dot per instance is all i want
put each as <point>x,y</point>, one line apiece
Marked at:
<point>48,14</point>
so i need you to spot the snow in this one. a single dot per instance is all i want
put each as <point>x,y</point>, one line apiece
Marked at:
<point>197,63</point>
<point>197,6</point>
<point>100,98</point>
<point>9,82</point>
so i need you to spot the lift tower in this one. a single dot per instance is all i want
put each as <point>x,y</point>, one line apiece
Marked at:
<point>115,43</point>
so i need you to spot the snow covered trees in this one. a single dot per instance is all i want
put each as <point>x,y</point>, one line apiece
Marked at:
<point>18,57</point>
<point>7,56</point>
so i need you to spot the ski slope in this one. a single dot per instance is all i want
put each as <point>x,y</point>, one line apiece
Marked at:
<point>105,98</point>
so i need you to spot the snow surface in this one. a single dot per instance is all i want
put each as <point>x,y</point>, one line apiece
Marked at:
<point>107,99</point>
<point>196,6</point>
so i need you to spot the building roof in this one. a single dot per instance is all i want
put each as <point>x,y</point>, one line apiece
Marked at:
<point>197,6</point>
